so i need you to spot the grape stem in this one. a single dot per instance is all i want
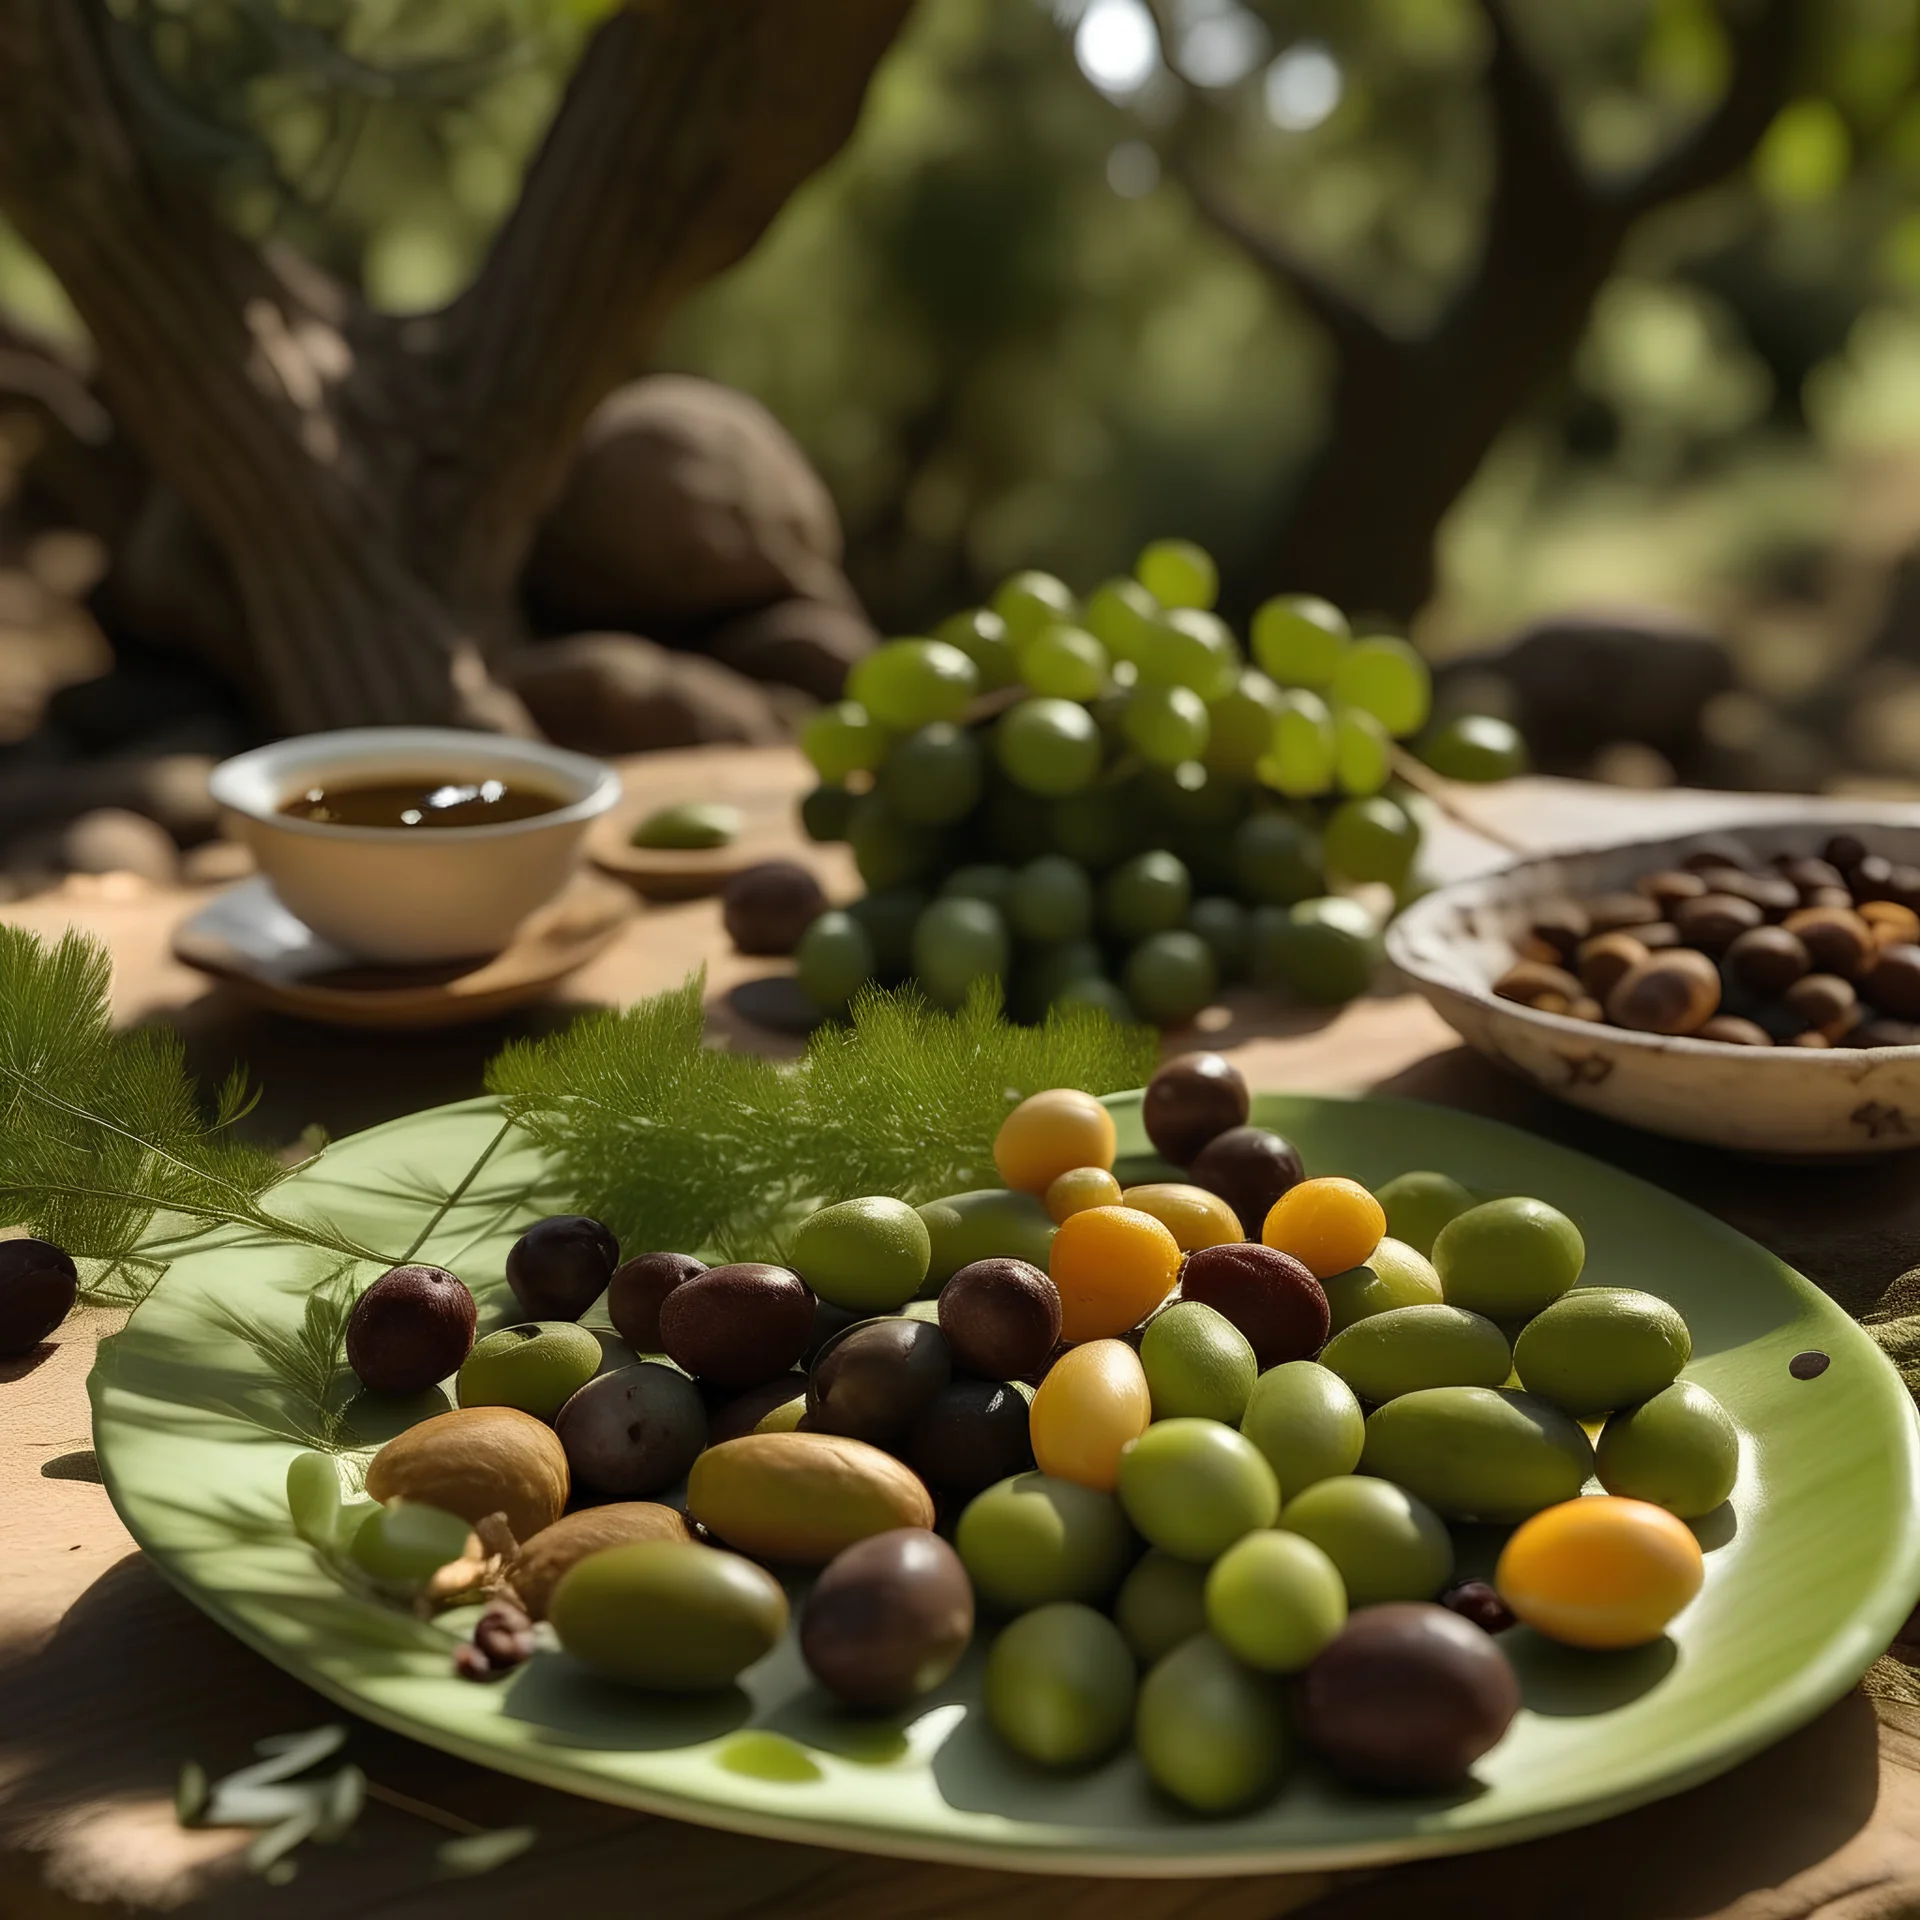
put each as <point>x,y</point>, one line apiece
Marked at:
<point>1430,786</point>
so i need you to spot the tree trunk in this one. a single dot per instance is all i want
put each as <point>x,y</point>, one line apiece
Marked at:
<point>371,484</point>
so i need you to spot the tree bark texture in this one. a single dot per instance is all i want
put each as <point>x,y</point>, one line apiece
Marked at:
<point>1411,419</point>
<point>373,484</point>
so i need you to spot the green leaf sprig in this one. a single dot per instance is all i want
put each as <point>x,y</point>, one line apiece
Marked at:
<point>675,1144</point>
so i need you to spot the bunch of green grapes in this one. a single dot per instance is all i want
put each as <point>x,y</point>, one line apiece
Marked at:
<point>1107,802</point>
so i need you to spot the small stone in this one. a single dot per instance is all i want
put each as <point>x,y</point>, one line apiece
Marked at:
<point>114,840</point>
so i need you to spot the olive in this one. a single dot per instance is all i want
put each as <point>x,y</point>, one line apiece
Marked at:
<point>1192,1487</point>
<point>1678,1449</point>
<point>1827,1003</point>
<point>1419,1204</point>
<point>1272,1298</point>
<point>558,1268</point>
<point>1716,920</point>
<point>636,1291</point>
<point>1479,1453</point>
<point>1615,910</point>
<point>1388,1544</point>
<point>1836,940</point>
<point>1211,1732</point>
<point>541,1562</point>
<point>828,1322</point>
<point>1035,1539</point>
<point>1392,1275</point>
<point>536,1366</point>
<point>38,1286</point>
<point>1667,890</point>
<point>1308,1423</point>
<point>1893,984</point>
<point>746,1412</point>
<point>1407,1348</point>
<point>737,1326</point>
<point>1479,1602</point>
<point>1060,1684</point>
<point>1249,1168</point>
<point>1275,1599</point>
<point>965,1227</point>
<point>1508,1258</point>
<point>1407,1697</point>
<point>1733,1031</point>
<point>1162,1602</point>
<point>888,1619</point>
<point>410,1329</point>
<point>1598,1348</point>
<point>1529,984</point>
<point>1606,959</point>
<point>1001,1318</point>
<point>766,908</point>
<point>1193,1100</point>
<point>1197,1362</point>
<point>1671,993</point>
<point>970,1435</point>
<point>1767,960</point>
<point>633,1432</point>
<point>1561,927</point>
<point>874,1380</point>
<point>659,1614</point>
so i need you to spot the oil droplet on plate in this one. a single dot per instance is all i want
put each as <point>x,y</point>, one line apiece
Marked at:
<point>769,1756</point>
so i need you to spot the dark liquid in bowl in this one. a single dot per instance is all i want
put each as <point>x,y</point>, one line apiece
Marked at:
<point>423,803</point>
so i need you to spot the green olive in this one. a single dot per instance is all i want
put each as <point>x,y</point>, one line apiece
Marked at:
<point>1679,1450</point>
<point>1387,1544</point>
<point>1060,1684</point>
<point>1393,1275</point>
<point>537,1366</point>
<point>1407,1348</point>
<point>1598,1348</point>
<point>404,1544</point>
<point>1211,1732</point>
<point>1275,1599</point>
<point>869,1255</point>
<point>1418,1205</point>
<point>1479,1453</point>
<point>1197,1362</point>
<point>1033,1539</point>
<point>1307,1422</point>
<point>1162,1602</point>
<point>987,1223</point>
<point>1193,1487</point>
<point>1508,1259</point>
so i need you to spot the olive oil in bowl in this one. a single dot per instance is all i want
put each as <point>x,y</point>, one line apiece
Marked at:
<point>424,802</point>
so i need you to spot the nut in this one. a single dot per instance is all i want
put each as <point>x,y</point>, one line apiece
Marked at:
<point>1767,960</point>
<point>1809,873</point>
<point>1607,958</point>
<point>1845,851</point>
<point>1658,935</point>
<point>1715,920</point>
<point>1893,924</point>
<point>1893,986</point>
<point>1530,984</point>
<point>1772,893</point>
<point>1836,940</point>
<point>1612,910</point>
<point>1668,993</point>
<point>1587,1008</point>
<point>1730,1030</point>
<point>1667,890</point>
<point>1561,927</point>
<point>1827,1003</point>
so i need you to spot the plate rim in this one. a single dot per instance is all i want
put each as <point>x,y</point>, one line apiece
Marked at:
<point>1815,1686</point>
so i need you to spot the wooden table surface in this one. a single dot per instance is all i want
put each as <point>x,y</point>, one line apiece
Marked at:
<point>109,1680</point>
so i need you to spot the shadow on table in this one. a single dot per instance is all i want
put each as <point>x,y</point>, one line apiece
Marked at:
<point>1853,1228</point>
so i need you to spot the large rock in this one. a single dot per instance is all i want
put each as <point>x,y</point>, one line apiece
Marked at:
<point>1581,682</point>
<point>687,502</point>
<point>611,693</point>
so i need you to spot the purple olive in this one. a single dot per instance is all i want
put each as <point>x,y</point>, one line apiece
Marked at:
<point>558,1268</point>
<point>38,1286</point>
<point>888,1619</point>
<point>411,1328</point>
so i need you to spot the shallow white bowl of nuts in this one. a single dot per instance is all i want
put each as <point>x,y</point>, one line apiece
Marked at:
<point>1755,988</point>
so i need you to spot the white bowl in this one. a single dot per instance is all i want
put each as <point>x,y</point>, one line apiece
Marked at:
<point>406,898</point>
<point>1782,1101</point>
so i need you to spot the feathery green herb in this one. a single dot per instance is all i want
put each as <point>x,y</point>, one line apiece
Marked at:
<point>676,1144</point>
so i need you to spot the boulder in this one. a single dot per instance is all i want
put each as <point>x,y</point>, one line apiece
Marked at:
<point>687,502</point>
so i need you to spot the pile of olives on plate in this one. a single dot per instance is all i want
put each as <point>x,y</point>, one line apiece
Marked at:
<point>1114,802</point>
<point>1798,951</point>
<point>1188,1455</point>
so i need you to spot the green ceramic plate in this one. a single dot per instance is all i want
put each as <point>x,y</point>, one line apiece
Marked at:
<point>1809,1573</point>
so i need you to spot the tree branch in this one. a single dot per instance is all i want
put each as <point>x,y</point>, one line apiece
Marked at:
<point>687,125</point>
<point>1764,44</point>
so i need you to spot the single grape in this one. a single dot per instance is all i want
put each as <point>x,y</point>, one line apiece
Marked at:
<point>1049,747</point>
<point>981,635</point>
<point>1361,751</point>
<point>1064,663</point>
<point>889,851</point>
<point>1329,949</point>
<point>1028,602</point>
<point>911,683</point>
<point>1300,763</point>
<point>1241,725</point>
<point>1178,573</point>
<point>1166,725</point>
<point>1149,894</point>
<point>956,943</point>
<point>1051,899</point>
<point>1192,648</point>
<point>1299,639</point>
<point>843,739</point>
<point>1372,839</point>
<point>1475,746</point>
<point>1121,615</point>
<point>1016,830</point>
<point>827,812</point>
<point>1222,924</point>
<point>985,880</point>
<point>1276,859</point>
<point>1048,974</point>
<point>833,961</point>
<point>1389,680</point>
<point>933,777</point>
<point>1170,977</point>
<point>888,919</point>
<point>1100,827</point>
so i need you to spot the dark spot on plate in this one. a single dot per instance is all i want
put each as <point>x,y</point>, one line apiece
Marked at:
<point>1809,1365</point>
